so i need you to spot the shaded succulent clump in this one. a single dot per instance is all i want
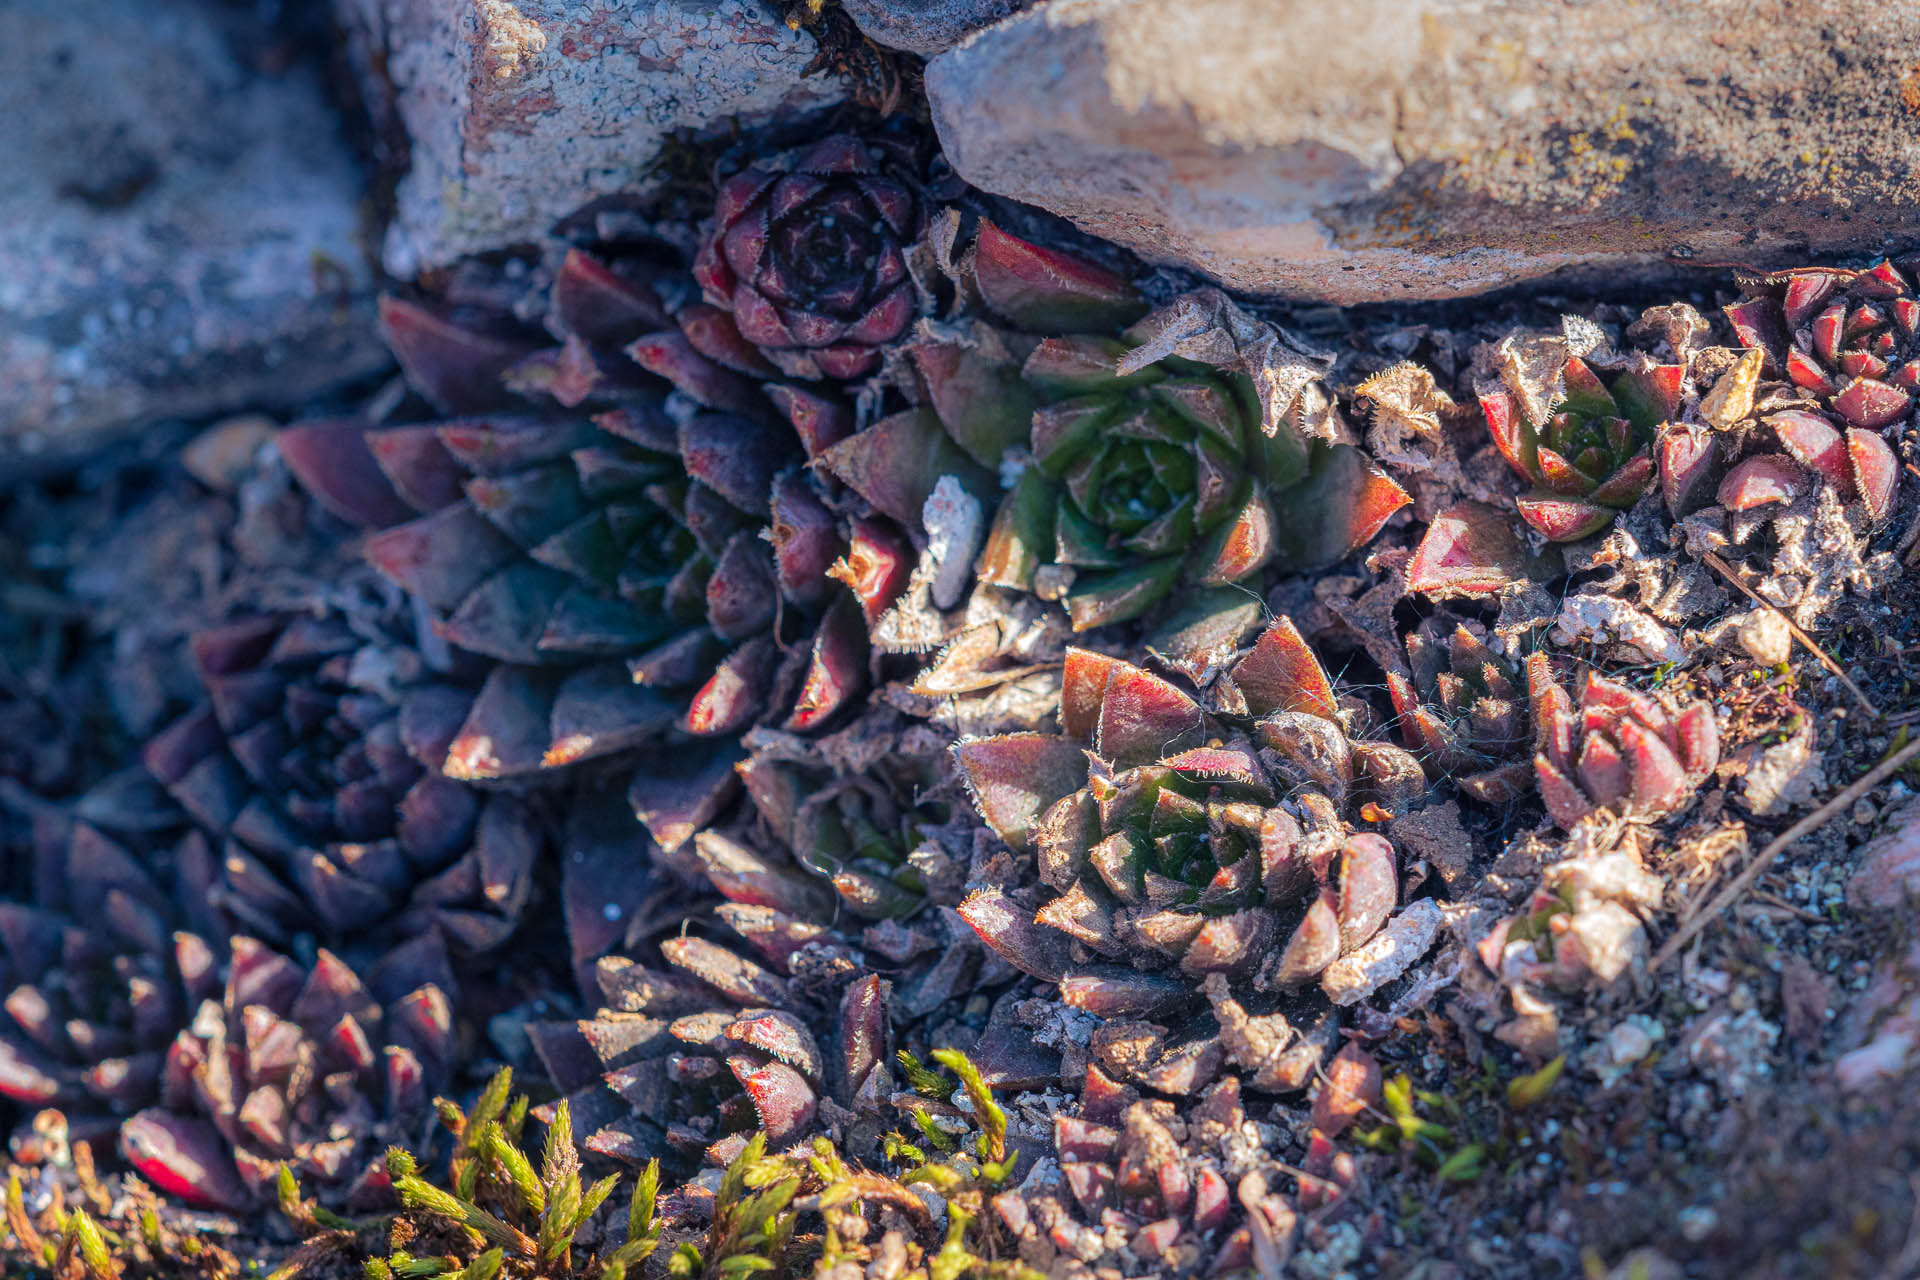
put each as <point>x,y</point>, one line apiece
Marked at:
<point>1181,851</point>
<point>868,824</point>
<point>631,576</point>
<point>1142,469</point>
<point>1851,339</point>
<point>1124,1176</point>
<point>1462,709</point>
<point>617,573</point>
<point>684,1059</point>
<point>96,980</point>
<point>313,767</point>
<point>312,1070</point>
<point>1616,748</point>
<point>806,260</point>
<point>1588,451</point>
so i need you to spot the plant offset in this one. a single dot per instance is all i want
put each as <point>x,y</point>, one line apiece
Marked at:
<point>928,748</point>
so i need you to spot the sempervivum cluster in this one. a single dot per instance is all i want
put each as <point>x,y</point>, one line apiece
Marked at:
<point>1126,1181</point>
<point>1182,853</point>
<point>1589,451</point>
<point>1851,339</point>
<point>312,766</point>
<point>602,563</point>
<point>313,1069</point>
<point>95,981</point>
<point>1145,470</point>
<point>864,824</point>
<point>1616,748</point>
<point>1462,709</point>
<point>727,1036</point>
<point>806,260</point>
<point>1766,466</point>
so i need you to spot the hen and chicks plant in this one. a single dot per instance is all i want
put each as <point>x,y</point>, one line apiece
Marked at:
<point>1172,850</point>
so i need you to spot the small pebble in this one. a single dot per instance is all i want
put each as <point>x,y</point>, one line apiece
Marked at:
<point>222,454</point>
<point>1764,635</point>
<point>1864,812</point>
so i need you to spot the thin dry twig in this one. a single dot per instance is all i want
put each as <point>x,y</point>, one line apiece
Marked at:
<point>1726,571</point>
<point>1812,822</point>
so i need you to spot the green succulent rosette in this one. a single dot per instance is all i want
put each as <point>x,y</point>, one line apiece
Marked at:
<point>1138,472</point>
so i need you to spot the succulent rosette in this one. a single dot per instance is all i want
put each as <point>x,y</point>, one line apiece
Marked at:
<point>744,1026</point>
<point>1588,452</point>
<point>1849,338</point>
<point>807,254</point>
<point>96,982</point>
<point>1766,443</point>
<point>312,1069</point>
<point>1616,748</point>
<point>313,767</point>
<point>1788,455</point>
<point>1462,709</point>
<point>867,830</point>
<point>1177,852</point>
<point>1124,1175</point>
<point>1141,472</point>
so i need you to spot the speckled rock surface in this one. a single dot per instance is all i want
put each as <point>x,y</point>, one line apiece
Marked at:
<point>519,113</point>
<point>1435,148</point>
<point>179,233</point>
<point>927,27</point>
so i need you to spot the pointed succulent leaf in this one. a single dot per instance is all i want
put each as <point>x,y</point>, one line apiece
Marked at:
<point>1022,536</point>
<point>1281,673</point>
<point>332,460</point>
<point>895,463</point>
<point>1016,777</point>
<point>1045,290</point>
<point>1469,549</point>
<point>1142,717</point>
<point>454,366</point>
<point>1564,519</point>
<point>1011,933</point>
<point>1102,599</point>
<point>985,404</point>
<point>1876,472</point>
<point>1759,480</point>
<point>1349,500</point>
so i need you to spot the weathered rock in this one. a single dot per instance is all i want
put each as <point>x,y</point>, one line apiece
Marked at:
<point>517,114</point>
<point>1887,871</point>
<point>926,27</point>
<point>179,233</point>
<point>1432,148</point>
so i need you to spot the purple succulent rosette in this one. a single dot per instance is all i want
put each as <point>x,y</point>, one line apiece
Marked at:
<point>1849,338</point>
<point>319,785</point>
<point>746,1025</point>
<point>1462,709</point>
<point>98,972</point>
<point>809,259</point>
<point>311,1069</point>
